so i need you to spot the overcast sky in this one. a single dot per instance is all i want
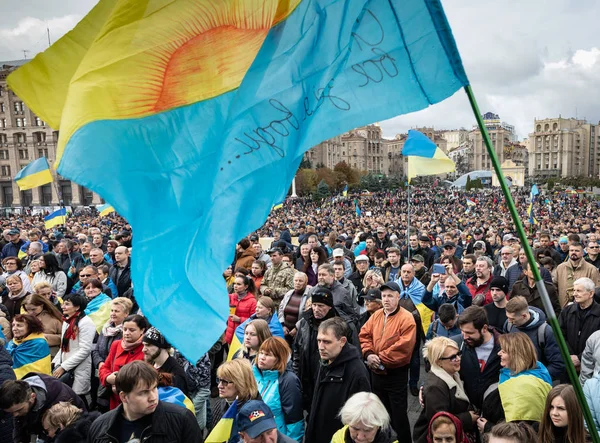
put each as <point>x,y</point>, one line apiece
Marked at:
<point>524,59</point>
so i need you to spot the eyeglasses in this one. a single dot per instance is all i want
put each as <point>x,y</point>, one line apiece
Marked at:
<point>593,247</point>
<point>85,275</point>
<point>453,356</point>
<point>223,382</point>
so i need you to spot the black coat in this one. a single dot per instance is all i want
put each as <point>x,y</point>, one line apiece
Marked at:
<point>437,396</point>
<point>78,431</point>
<point>477,381</point>
<point>170,423</point>
<point>335,384</point>
<point>521,287</point>
<point>123,283</point>
<point>6,373</point>
<point>577,327</point>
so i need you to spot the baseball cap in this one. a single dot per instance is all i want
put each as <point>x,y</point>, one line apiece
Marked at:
<point>509,237</point>
<point>254,418</point>
<point>477,231</point>
<point>479,245</point>
<point>380,229</point>
<point>424,238</point>
<point>14,231</point>
<point>361,258</point>
<point>392,285</point>
<point>417,257</point>
<point>373,294</point>
<point>338,252</point>
<point>274,250</point>
<point>449,244</point>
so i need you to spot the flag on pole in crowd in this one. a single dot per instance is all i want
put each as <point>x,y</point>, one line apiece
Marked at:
<point>37,173</point>
<point>532,195</point>
<point>471,202</point>
<point>345,192</point>
<point>105,209</point>
<point>235,346</point>
<point>192,147</point>
<point>58,217</point>
<point>277,206</point>
<point>358,211</point>
<point>424,157</point>
<point>534,191</point>
<point>222,431</point>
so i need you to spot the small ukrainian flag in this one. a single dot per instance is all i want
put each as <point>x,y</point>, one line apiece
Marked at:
<point>37,173</point>
<point>345,192</point>
<point>56,218</point>
<point>105,209</point>
<point>222,431</point>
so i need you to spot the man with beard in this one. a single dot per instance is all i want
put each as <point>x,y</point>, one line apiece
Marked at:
<point>156,352</point>
<point>480,363</point>
<point>574,268</point>
<point>305,357</point>
<point>479,286</point>
<point>345,305</point>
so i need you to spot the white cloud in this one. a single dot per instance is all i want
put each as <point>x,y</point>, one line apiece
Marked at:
<point>30,34</point>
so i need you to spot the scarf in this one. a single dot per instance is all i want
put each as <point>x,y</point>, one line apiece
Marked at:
<point>110,331</point>
<point>452,381</point>
<point>70,333</point>
<point>131,346</point>
<point>17,296</point>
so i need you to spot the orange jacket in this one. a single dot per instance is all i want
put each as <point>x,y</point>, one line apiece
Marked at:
<point>392,339</point>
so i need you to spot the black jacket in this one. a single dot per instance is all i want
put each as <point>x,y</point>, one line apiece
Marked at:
<point>437,396</point>
<point>78,431</point>
<point>521,287</point>
<point>477,381</point>
<point>179,376</point>
<point>6,373</point>
<point>578,325</point>
<point>123,283</point>
<point>335,384</point>
<point>170,423</point>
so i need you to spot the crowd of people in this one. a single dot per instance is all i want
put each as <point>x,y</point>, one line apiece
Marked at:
<point>329,327</point>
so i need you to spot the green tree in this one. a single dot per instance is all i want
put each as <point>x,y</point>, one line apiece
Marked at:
<point>351,175</point>
<point>550,183</point>
<point>305,163</point>
<point>468,186</point>
<point>322,191</point>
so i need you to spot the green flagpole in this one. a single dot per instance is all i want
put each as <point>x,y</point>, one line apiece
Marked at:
<point>536,273</point>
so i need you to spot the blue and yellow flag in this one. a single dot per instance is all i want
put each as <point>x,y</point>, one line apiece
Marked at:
<point>105,209</point>
<point>203,110</point>
<point>56,218</point>
<point>532,194</point>
<point>222,431</point>
<point>171,394</point>
<point>37,173</point>
<point>235,346</point>
<point>524,395</point>
<point>98,310</point>
<point>345,191</point>
<point>424,157</point>
<point>32,354</point>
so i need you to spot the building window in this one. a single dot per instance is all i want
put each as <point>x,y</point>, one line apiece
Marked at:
<point>24,122</point>
<point>42,153</point>
<point>20,137</point>
<point>2,107</point>
<point>39,122</point>
<point>23,154</point>
<point>2,123</point>
<point>39,137</point>
<point>5,171</point>
<point>3,138</point>
<point>4,154</point>
<point>19,122</point>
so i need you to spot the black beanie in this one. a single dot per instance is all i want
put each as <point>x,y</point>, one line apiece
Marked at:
<point>500,283</point>
<point>322,295</point>
<point>154,337</point>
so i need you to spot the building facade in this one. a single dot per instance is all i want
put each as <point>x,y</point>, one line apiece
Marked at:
<point>502,136</point>
<point>561,147</point>
<point>24,137</point>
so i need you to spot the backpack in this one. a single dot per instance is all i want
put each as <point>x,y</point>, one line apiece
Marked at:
<point>541,335</point>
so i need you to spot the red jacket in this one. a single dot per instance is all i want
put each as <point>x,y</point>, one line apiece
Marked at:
<point>482,289</point>
<point>244,308</point>
<point>117,358</point>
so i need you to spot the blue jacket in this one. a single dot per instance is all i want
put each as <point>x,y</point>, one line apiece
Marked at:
<point>110,285</point>
<point>11,249</point>
<point>440,330</point>
<point>283,394</point>
<point>433,300</point>
<point>274,326</point>
<point>512,274</point>
<point>549,354</point>
<point>591,390</point>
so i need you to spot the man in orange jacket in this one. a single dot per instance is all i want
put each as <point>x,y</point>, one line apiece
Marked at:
<point>387,341</point>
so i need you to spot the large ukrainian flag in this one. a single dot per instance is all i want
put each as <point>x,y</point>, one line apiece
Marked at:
<point>201,109</point>
<point>424,157</point>
<point>524,395</point>
<point>37,173</point>
<point>58,217</point>
<point>32,354</point>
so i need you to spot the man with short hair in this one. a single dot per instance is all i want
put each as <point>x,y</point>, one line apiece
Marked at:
<point>357,277</point>
<point>343,299</point>
<point>480,363</point>
<point>372,304</point>
<point>421,271</point>
<point>574,268</point>
<point>479,285</point>
<point>547,249</point>
<point>156,352</point>
<point>339,258</point>
<point>454,292</point>
<point>305,353</point>
<point>391,270</point>
<point>496,311</point>
<point>445,323</point>
<point>259,254</point>
<point>580,319</point>
<point>97,258</point>
<point>532,321</point>
<point>141,416</point>
<point>413,248</point>
<point>478,236</point>
<point>527,288</point>
<point>98,242</point>
<point>29,398</point>
<point>508,266</point>
<point>593,253</point>
<point>563,249</point>
<point>120,273</point>
<point>11,249</point>
<point>338,270</point>
<point>468,271</point>
<point>278,279</point>
<point>388,342</point>
<point>426,252</point>
<point>382,242</point>
<point>256,424</point>
<point>341,374</point>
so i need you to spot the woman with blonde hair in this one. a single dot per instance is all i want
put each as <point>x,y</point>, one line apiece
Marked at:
<point>265,310</point>
<point>65,422</point>
<point>255,333</point>
<point>365,420</point>
<point>13,300</point>
<point>443,389</point>
<point>45,290</point>
<point>279,388</point>
<point>524,382</point>
<point>50,317</point>
<point>235,380</point>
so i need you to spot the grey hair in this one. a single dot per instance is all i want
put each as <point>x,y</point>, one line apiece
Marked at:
<point>488,260</point>
<point>365,408</point>
<point>37,244</point>
<point>587,283</point>
<point>304,276</point>
<point>506,248</point>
